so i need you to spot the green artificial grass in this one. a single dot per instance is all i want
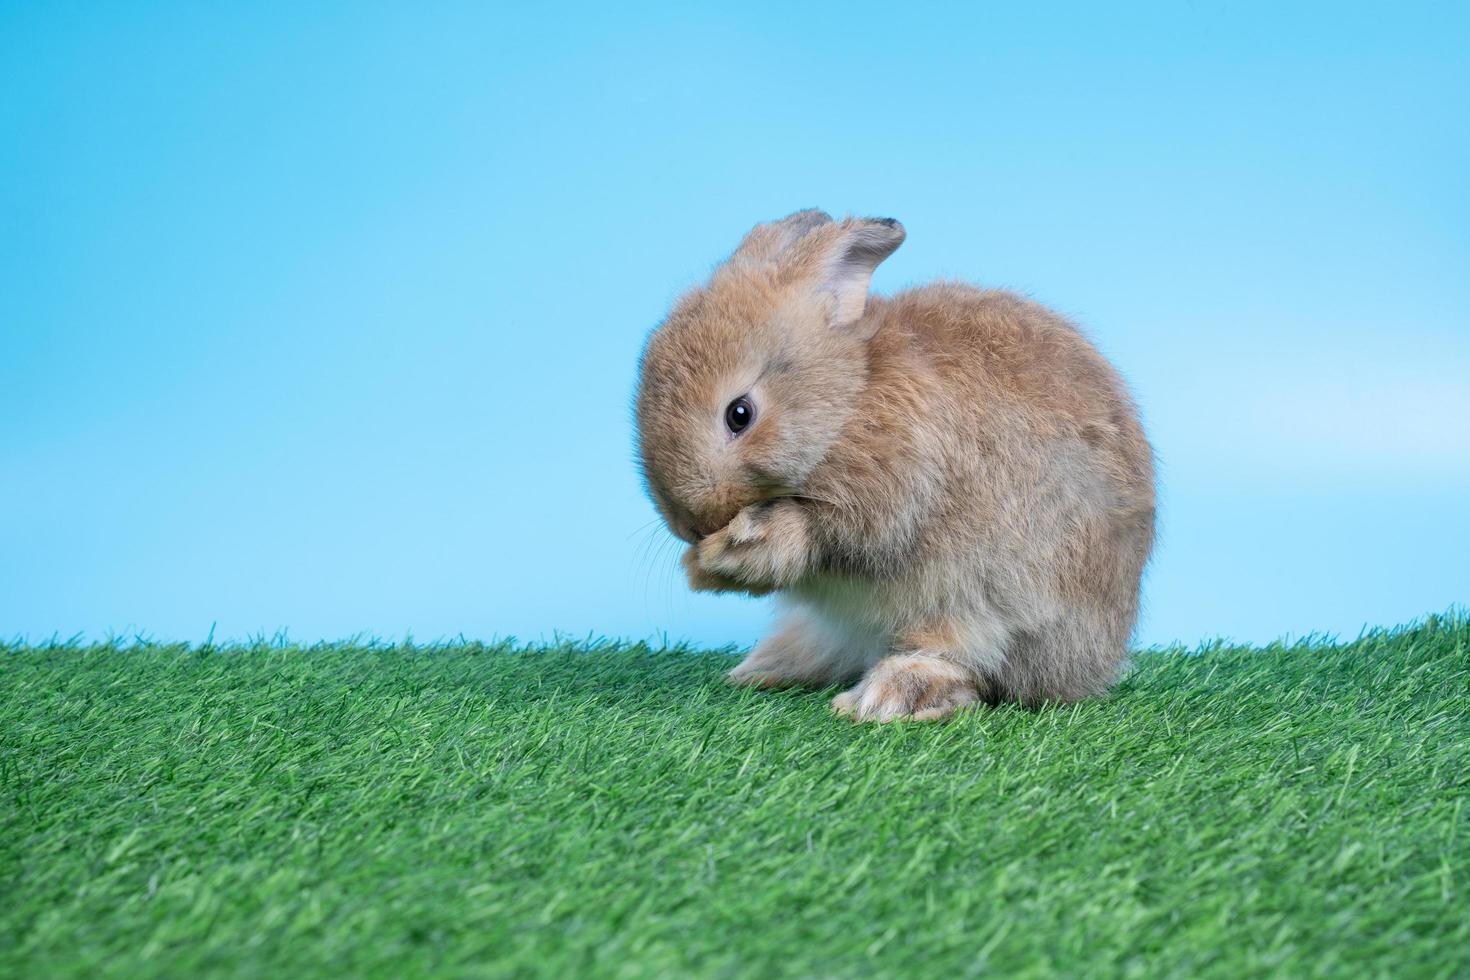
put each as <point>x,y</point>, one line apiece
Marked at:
<point>274,810</point>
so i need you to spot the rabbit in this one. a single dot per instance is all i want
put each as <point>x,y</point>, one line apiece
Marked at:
<point>949,488</point>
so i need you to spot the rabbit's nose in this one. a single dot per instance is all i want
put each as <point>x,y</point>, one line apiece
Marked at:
<point>707,522</point>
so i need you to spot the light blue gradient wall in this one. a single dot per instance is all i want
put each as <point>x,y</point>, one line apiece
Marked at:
<point>326,320</point>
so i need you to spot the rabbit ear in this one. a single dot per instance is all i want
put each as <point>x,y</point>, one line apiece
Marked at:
<point>844,264</point>
<point>766,242</point>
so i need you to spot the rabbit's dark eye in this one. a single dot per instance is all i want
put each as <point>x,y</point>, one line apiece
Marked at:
<point>739,414</point>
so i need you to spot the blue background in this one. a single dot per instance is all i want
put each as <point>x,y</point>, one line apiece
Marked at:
<point>326,320</point>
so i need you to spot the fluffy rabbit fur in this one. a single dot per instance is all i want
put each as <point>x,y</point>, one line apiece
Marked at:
<point>949,488</point>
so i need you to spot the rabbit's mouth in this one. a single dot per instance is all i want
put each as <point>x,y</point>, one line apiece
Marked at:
<point>686,530</point>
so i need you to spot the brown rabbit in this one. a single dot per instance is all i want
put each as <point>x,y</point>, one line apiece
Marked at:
<point>950,488</point>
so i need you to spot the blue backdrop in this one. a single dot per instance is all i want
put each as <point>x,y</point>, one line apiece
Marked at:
<point>326,320</point>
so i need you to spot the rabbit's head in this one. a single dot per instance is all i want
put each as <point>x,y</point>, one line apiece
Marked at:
<point>748,381</point>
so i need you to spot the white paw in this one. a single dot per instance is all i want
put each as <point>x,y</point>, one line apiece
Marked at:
<point>909,687</point>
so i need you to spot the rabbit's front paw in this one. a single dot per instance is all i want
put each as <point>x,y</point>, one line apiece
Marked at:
<point>703,580</point>
<point>764,547</point>
<point>910,687</point>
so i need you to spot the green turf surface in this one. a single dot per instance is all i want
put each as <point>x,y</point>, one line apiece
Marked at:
<point>471,810</point>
